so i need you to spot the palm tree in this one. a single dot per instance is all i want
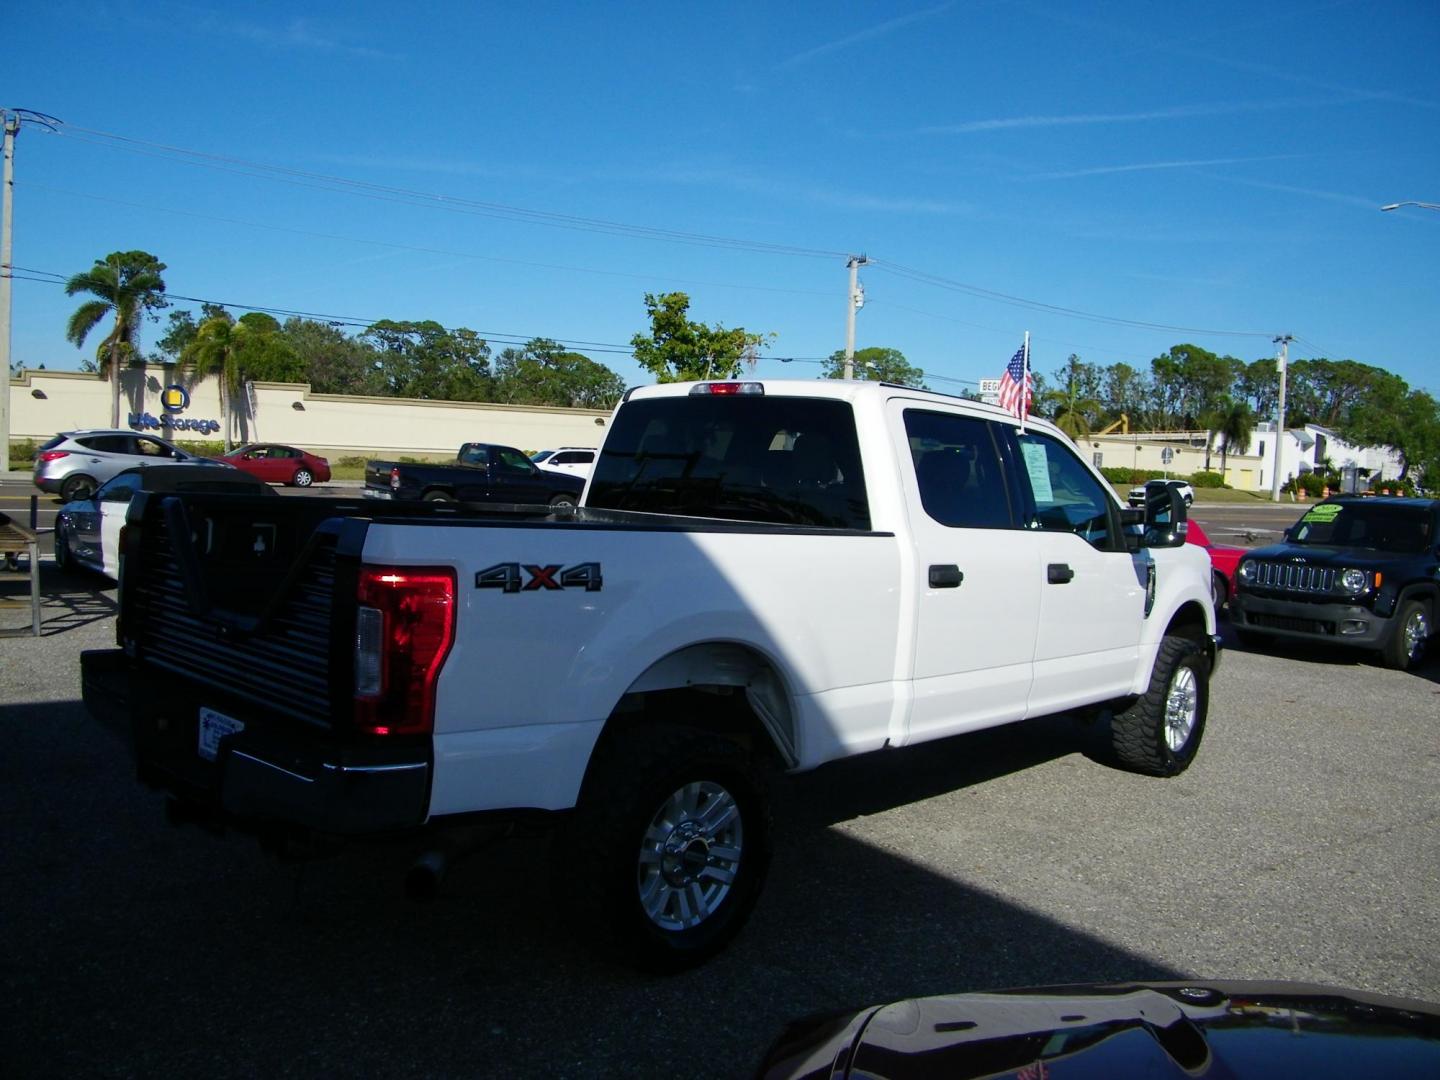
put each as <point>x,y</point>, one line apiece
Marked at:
<point>216,350</point>
<point>1237,424</point>
<point>127,284</point>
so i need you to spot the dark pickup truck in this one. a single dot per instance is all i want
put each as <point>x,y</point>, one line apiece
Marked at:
<point>1362,572</point>
<point>482,473</point>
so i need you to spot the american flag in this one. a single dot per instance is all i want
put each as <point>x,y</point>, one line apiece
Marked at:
<point>1016,385</point>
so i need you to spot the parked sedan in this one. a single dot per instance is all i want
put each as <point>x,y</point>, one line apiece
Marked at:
<point>87,531</point>
<point>1224,558</point>
<point>277,464</point>
<point>74,463</point>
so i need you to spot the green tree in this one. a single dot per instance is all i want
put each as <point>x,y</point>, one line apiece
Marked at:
<point>1236,427</point>
<point>1073,412</point>
<point>877,365</point>
<point>542,372</point>
<point>332,361</point>
<point>215,350</point>
<point>1124,392</point>
<point>425,360</point>
<point>180,330</point>
<point>678,349</point>
<point>129,286</point>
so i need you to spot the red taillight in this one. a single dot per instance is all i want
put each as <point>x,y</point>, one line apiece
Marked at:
<point>51,455</point>
<point>395,478</point>
<point>403,632</point>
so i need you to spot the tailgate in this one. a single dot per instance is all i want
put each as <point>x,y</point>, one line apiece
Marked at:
<point>239,595</point>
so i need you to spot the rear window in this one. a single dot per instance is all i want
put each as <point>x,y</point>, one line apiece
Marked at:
<point>1402,530</point>
<point>777,460</point>
<point>50,444</point>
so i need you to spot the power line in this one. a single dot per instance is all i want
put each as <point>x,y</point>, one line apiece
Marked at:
<point>502,337</point>
<point>417,248</point>
<point>1054,309</point>
<point>410,196</point>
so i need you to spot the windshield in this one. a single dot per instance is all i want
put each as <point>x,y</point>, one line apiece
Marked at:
<point>780,460</point>
<point>1403,530</point>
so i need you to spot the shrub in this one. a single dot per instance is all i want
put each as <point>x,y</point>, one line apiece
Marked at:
<point>1207,480</point>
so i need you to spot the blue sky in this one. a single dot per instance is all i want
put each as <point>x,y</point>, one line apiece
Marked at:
<point>1216,168</point>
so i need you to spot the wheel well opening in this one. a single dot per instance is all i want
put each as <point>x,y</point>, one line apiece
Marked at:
<point>723,688</point>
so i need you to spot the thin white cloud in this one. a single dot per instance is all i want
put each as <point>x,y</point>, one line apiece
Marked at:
<point>800,192</point>
<point>1150,166</point>
<point>297,34</point>
<point>1288,189</point>
<point>867,34</point>
<point>1176,112</point>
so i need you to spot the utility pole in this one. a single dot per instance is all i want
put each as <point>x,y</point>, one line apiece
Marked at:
<point>854,301</point>
<point>12,126</point>
<point>1280,361</point>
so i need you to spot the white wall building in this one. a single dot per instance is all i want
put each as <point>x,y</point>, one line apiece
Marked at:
<point>335,425</point>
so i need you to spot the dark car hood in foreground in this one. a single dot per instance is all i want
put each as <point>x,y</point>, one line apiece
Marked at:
<point>1214,1029</point>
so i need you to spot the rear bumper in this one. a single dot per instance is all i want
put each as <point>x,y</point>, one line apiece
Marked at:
<point>268,774</point>
<point>1298,620</point>
<point>47,485</point>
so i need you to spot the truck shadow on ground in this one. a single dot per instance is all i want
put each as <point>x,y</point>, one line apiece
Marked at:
<point>68,600</point>
<point>136,948</point>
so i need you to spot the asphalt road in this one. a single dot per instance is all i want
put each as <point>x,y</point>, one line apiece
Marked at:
<point>1301,845</point>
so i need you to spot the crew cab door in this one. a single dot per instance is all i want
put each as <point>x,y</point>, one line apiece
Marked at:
<point>1092,589</point>
<point>515,478</point>
<point>977,590</point>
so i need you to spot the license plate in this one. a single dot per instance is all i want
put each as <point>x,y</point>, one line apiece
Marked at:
<point>215,726</point>
<point>371,493</point>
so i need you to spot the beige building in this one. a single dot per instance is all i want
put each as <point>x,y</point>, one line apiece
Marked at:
<point>173,405</point>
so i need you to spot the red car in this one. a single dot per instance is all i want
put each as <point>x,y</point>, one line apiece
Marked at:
<point>278,464</point>
<point>1224,558</point>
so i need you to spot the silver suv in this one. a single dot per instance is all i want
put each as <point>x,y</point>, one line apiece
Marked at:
<point>74,463</point>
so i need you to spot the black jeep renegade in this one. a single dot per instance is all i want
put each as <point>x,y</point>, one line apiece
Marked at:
<point>1352,571</point>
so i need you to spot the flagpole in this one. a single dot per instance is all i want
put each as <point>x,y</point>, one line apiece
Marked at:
<point>1025,385</point>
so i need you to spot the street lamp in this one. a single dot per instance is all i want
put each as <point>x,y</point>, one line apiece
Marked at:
<point>1411,202</point>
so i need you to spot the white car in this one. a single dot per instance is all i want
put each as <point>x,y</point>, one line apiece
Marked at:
<point>1137,494</point>
<point>87,531</point>
<point>572,460</point>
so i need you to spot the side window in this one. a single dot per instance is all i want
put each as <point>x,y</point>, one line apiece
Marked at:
<point>150,448</point>
<point>1065,496</point>
<point>511,462</point>
<point>957,468</point>
<point>108,444</point>
<point>119,489</point>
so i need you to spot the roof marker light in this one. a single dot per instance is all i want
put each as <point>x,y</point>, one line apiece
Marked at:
<point>728,388</point>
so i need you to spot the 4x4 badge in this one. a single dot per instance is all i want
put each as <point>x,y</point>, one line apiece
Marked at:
<point>510,577</point>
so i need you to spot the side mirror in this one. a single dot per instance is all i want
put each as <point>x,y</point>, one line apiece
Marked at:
<point>1164,522</point>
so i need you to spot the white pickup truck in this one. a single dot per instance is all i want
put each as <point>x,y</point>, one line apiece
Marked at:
<point>762,576</point>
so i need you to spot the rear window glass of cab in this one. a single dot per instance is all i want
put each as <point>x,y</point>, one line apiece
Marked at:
<point>768,459</point>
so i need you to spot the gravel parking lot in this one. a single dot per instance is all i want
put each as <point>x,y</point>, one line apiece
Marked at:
<point>1302,845</point>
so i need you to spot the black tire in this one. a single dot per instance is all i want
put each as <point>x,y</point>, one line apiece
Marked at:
<point>304,478</point>
<point>563,500</point>
<point>632,895</point>
<point>1219,590</point>
<point>77,487</point>
<point>438,497</point>
<point>1408,639</point>
<point>63,561</point>
<point>1161,730</point>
